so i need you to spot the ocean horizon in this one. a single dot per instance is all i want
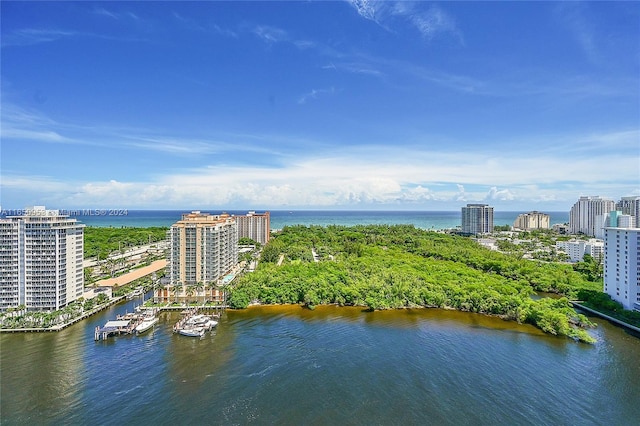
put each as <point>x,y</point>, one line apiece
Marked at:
<point>423,219</point>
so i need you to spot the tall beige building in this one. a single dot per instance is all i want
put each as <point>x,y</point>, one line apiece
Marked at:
<point>532,220</point>
<point>256,226</point>
<point>203,248</point>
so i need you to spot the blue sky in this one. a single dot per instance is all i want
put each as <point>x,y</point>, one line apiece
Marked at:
<point>318,105</point>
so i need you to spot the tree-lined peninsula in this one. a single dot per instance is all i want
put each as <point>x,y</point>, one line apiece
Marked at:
<point>400,266</point>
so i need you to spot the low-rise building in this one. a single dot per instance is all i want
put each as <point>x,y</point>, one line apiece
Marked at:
<point>576,249</point>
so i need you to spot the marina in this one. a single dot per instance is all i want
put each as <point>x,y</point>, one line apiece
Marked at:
<point>193,324</point>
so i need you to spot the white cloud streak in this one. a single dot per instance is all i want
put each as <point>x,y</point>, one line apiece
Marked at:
<point>429,22</point>
<point>314,94</point>
<point>30,36</point>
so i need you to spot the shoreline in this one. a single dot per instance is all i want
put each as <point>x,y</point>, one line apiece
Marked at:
<point>609,318</point>
<point>60,327</point>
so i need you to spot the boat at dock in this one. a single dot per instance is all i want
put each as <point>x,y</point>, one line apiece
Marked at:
<point>146,324</point>
<point>139,291</point>
<point>119,326</point>
<point>195,325</point>
<point>149,319</point>
<point>192,332</point>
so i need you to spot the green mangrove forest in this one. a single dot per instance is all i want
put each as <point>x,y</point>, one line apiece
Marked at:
<point>400,266</point>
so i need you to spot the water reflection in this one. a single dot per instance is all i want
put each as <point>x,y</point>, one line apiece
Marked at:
<point>288,364</point>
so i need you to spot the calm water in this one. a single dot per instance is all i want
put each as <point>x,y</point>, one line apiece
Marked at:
<point>288,365</point>
<point>281,218</point>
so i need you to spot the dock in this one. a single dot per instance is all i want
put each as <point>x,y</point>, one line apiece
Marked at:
<point>577,304</point>
<point>123,325</point>
<point>187,314</point>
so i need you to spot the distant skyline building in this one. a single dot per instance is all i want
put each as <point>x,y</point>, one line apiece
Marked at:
<point>588,213</point>
<point>256,226</point>
<point>614,219</point>
<point>622,266</point>
<point>477,219</point>
<point>41,260</point>
<point>630,206</point>
<point>532,220</point>
<point>203,247</point>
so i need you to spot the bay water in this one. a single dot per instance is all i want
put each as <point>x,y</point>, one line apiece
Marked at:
<point>332,365</point>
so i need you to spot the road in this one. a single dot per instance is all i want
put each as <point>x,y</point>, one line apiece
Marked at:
<point>133,275</point>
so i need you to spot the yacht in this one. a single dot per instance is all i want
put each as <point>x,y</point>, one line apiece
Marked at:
<point>146,324</point>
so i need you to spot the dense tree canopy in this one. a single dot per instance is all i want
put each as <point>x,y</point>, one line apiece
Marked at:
<point>400,266</point>
<point>101,242</point>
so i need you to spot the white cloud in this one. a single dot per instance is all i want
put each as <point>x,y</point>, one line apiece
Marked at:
<point>573,15</point>
<point>105,12</point>
<point>460,195</point>
<point>502,194</point>
<point>365,8</point>
<point>314,93</point>
<point>29,36</point>
<point>270,34</point>
<point>358,177</point>
<point>429,22</point>
<point>325,175</point>
<point>355,68</point>
<point>34,135</point>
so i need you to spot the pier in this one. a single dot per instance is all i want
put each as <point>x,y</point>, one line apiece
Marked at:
<point>578,305</point>
<point>123,325</point>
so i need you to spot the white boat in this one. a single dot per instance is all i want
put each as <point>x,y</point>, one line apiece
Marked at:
<point>146,324</point>
<point>211,323</point>
<point>195,326</point>
<point>192,331</point>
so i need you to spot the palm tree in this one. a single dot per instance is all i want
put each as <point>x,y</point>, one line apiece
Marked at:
<point>208,285</point>
<point>199,288</point>
<point>189,292</point>
<point>177,288</point>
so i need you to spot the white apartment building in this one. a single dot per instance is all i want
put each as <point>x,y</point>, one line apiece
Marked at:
<point>41,254</point>
<point>203,248</point>
<point>614,219</point>
<point>532,220</point>
<point>477,219</point>
<point>622,266</point>
<point>587,215</point>
<point>576,249</point>
<point>256,226</point>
